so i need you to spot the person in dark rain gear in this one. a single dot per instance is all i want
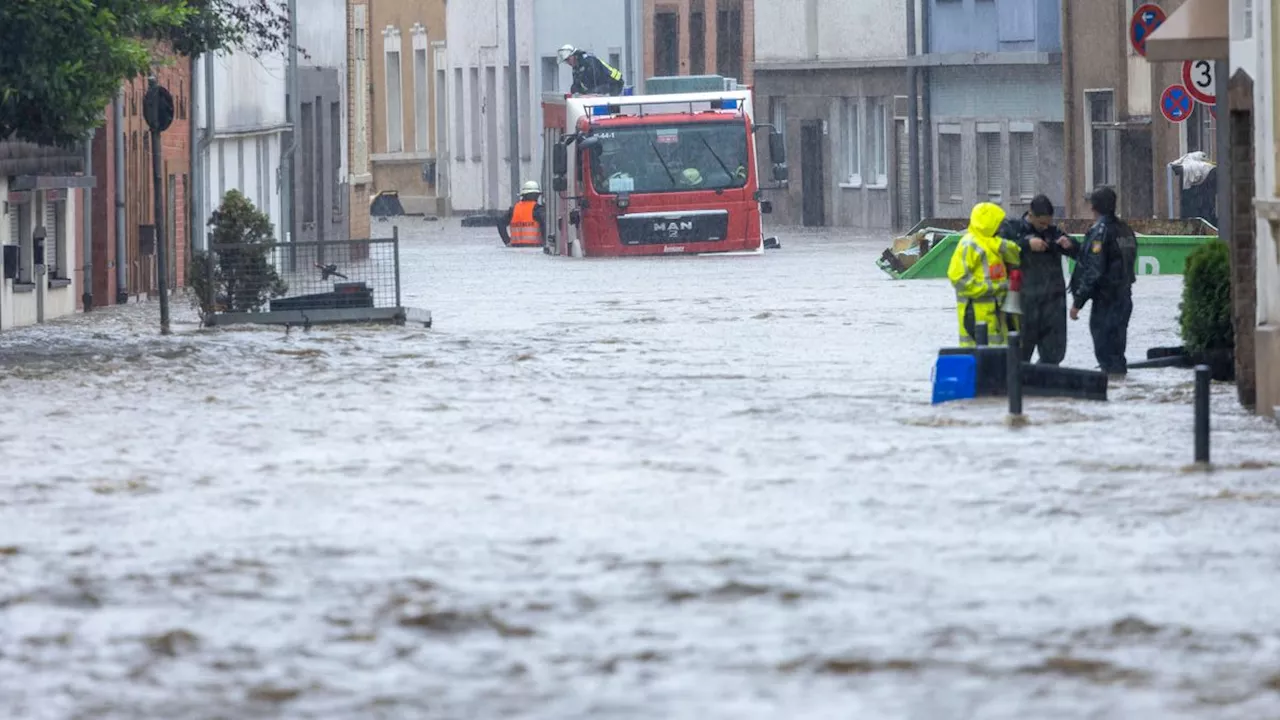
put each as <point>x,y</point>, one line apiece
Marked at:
<point>591,75</point>
<point>1044,286</point>
<point>1106,268</point>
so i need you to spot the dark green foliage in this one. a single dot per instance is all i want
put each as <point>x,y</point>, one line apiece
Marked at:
<point>1206,299</point>
<point>62,61</point>
<point>242,278</point>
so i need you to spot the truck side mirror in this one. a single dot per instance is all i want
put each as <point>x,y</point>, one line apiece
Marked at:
<point>560,160</point>
<point>778,148</point>
<point>766,207</point>
<point>780,172</point>
<point>559,183</point>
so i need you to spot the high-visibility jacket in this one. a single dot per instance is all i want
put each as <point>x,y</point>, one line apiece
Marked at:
<point>979,271</point>
<point>593,76</point>
<point>524,229</point>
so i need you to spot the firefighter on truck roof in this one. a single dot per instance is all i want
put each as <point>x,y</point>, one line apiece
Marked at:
<point>591,75</point>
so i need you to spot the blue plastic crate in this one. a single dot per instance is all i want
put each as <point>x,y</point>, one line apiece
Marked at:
<point>954,378</point>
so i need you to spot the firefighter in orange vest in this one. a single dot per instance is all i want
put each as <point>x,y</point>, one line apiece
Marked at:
<point>525,224</point>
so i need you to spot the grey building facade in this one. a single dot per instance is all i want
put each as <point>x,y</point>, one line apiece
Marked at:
<point>995,79</point>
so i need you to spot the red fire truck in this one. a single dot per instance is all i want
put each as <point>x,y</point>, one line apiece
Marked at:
<point>655,174</point>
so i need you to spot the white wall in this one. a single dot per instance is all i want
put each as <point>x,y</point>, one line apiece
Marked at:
<point>478,39</point>
<point>844,29</point>
<point>21,309</point>
<point>249,126</point>
<point>1264,167</point>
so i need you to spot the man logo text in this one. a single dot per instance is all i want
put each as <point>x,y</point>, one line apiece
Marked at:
<point>673,228</point>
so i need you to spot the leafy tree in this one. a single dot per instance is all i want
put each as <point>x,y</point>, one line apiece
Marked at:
<point>242,276</point>
<point>64,60</point>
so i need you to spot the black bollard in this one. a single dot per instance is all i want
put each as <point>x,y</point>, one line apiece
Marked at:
<point>1203,375</point>
<point>980,334</point>
<point>1014,373</point>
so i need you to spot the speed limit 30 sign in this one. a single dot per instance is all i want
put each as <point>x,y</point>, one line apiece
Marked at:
<point>1200,79</point>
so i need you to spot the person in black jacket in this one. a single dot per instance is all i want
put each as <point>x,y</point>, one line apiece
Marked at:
<point>1106,268</point>
<point>1044,286</point>
<point>591,75</point>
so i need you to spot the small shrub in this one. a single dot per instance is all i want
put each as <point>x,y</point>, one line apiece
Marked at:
<point>243,277</point>
<point>1205,311</point>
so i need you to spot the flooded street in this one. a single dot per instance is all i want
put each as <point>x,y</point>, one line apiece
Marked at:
<point>667,488</point>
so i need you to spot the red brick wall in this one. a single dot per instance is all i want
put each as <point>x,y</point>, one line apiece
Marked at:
<point>175,161</point>
<point>681,8</point>
<point>104,222</point>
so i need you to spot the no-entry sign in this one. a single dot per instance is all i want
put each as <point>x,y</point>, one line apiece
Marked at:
<point>1201,80</point>
<point>1145,20</point>
<point>1176,103</point>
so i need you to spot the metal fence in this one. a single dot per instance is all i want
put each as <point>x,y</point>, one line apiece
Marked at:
<point>301,276</point>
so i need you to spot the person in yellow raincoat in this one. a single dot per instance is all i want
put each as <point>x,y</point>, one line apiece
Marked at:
<point>979,271</point>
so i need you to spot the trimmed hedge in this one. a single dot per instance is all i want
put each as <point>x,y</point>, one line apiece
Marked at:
<point>1205,311</point>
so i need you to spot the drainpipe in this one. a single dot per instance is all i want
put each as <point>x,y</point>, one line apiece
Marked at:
<point>206,148</point>
<point>193,159</point>
<point>628,24</point>
<point>293,110</point>
<point>926,106</point>
<point>913,120</point>
<point>122,260</point>
<point>86,297</point>
<point>1068,108</point>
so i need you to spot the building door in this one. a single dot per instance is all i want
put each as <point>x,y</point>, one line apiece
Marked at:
<point>813,187</point>
<point>492,150</point>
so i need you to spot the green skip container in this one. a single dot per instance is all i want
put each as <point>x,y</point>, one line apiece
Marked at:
<point>1163,246</point>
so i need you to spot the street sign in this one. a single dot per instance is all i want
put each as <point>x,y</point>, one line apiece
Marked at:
<point>1200,80</point>
<point>157,108</point>
<point>1176,103</point>
<point>1145,20</point>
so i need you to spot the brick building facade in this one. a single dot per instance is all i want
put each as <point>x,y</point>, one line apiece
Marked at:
<point>699,37</point>
<point>138,278</point>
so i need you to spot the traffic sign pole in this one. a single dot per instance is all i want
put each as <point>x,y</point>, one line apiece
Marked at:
<point>157,110</point>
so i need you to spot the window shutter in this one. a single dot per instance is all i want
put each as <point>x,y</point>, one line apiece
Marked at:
<point>1026,164</point>
<point>995,164</point>
<point>51,239</point>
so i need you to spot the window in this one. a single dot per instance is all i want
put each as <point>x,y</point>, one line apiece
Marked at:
<point>778,118</point>
<point>54,224</point>
<point>990,165</point>
<point>361,92</point>
<point>421,139</point>
<point>477,112</point>
<point>335,147</point>
<point>307,150</point>
<point>1102,149</point>
<point>526,115</point>
<point>850,142</point>
<point>666,44</point>
<point>395,102</point>
<point>877,160</point>
<point>1245,19</point>
<point>950,185</point>
<point>672,158</point>
<point>550,75</point>
<point>20,232</point>
<point>442,112</point>
<point>459,116</point>
<point>729,38</point>
<point>1201,130</point>
<point>1022,148</point>
<point>615,60</point>
<point>697,40</point>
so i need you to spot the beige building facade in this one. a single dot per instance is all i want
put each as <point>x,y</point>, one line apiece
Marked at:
<point>395,72</point>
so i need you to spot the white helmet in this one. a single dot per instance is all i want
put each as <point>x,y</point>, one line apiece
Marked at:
<point>566,52</point>
<point>531,188</point>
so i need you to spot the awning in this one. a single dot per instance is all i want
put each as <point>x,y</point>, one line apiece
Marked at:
<point>1199,30</point>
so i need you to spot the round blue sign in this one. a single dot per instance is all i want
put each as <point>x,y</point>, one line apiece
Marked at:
<point>1176,103</point>
<point>1145,20</point>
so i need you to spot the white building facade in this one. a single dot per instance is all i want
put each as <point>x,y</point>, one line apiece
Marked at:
<point>478,116</point>
<point>1256,18</point>
<point>38,287</point>
<point>241,129</point>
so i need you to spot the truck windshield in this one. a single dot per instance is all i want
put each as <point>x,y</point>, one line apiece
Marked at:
<point>671,158</point>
